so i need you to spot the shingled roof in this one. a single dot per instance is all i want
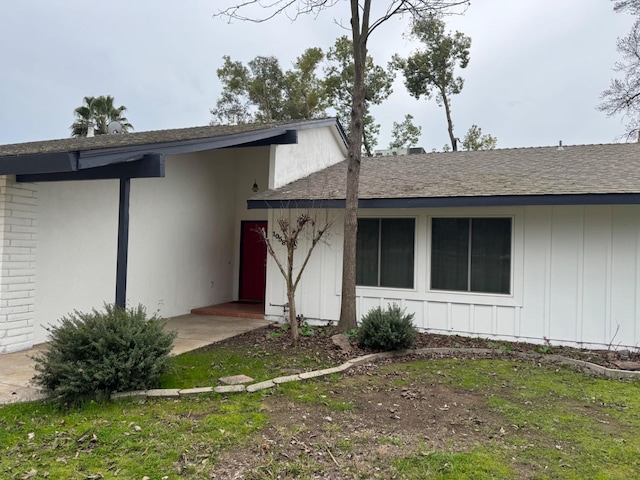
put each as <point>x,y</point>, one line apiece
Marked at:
<point>493,177</point>
<point>100,142</point>
<point>141,153</point>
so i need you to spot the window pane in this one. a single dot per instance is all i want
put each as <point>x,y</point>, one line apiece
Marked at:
<point>449,253</point>
<point>396,259</point>
<point>367,252</point>
<point>491,255</point>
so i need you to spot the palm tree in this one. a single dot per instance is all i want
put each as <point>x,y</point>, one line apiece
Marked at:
<point>99,112</point>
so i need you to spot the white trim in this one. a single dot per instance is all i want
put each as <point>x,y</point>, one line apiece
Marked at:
<point>517,258</point>
<point>416,224</point>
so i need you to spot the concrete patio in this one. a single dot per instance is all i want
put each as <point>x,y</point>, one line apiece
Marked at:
<point>194,331</point>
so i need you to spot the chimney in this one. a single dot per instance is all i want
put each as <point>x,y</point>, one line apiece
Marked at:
<point>90,130</point>
<point>560,147</point>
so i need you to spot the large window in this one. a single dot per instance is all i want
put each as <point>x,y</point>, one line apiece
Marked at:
<point>471,254</point>
<point>385,249</point>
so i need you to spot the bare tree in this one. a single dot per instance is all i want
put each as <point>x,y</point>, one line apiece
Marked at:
<point>623,95</point>
<point>289,235</point>
<point>362,25</point>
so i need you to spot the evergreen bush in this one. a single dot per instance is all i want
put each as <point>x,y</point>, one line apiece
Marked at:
<point>387,330</point>
<point>91,355</point>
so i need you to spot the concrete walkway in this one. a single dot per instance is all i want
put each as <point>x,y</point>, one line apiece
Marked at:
<point>194,331</point>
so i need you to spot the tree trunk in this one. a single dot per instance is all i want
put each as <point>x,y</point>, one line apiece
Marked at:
<point>348,300</point>
<point>447,109</point>
<point>293,321</point>
<point>291,293</point>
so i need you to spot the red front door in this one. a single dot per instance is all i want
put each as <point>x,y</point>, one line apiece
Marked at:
<point>253,262</point>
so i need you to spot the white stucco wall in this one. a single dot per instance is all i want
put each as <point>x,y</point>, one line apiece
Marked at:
<point>575,271</point>
<point>76,262</point>
<point>183,239</point>
<point>316,149</point>
<point>181,234</point>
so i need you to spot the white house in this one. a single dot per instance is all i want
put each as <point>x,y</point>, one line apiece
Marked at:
<point>532,244</point>
<point>157,218</point>
<point>518,244</point>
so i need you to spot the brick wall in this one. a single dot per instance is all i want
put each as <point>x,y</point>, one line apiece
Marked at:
<point>18,233</point>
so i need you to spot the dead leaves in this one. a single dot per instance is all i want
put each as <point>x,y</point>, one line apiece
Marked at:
<point>86,442</point>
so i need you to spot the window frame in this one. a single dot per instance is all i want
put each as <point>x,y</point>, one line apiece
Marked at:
<point>513,286</point>
<point>416,226</point>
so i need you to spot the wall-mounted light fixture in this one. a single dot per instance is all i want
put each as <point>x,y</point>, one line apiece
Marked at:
<point>255,186</point>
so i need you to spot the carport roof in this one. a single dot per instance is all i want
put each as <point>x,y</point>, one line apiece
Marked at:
<point>73,154</point>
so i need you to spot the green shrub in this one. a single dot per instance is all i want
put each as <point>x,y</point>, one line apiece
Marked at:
<point>91,355</point>
<point>386,330</point>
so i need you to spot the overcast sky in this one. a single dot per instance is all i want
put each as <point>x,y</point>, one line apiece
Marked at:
<point>536,73</point>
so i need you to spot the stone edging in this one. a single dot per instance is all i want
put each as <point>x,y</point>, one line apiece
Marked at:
<point>591,368</point>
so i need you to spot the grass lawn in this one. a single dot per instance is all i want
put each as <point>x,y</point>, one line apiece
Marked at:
<point>423,418</point>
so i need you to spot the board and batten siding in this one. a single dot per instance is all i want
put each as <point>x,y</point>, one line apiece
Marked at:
<point>575,278</point>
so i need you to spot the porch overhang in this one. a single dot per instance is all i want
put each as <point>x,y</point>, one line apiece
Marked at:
<point>136,155</point>
<point>37,166</point>
<point>147,166</point>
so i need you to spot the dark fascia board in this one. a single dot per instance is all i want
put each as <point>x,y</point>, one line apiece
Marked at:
<point>39,163</point>
<point>149,166</point>
<point>289,137</point>
<point>484,201</point>
<point>98,158</point>
<point>77,160</point>
<point>343,133</point>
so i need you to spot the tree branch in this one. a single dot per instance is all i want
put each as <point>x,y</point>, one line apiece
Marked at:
<point>274,8</point>
<point>419,9</point>
<point>623,95</point>
<point>267,242</point>
<point>316,238</point>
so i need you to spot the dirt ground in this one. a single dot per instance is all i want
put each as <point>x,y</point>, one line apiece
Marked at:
<point>320,343</point>
<point>383,422</point>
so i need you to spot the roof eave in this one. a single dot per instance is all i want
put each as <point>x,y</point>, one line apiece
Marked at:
<point>70,161</point>
<point>96,158</point>
<point>436,202</point>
